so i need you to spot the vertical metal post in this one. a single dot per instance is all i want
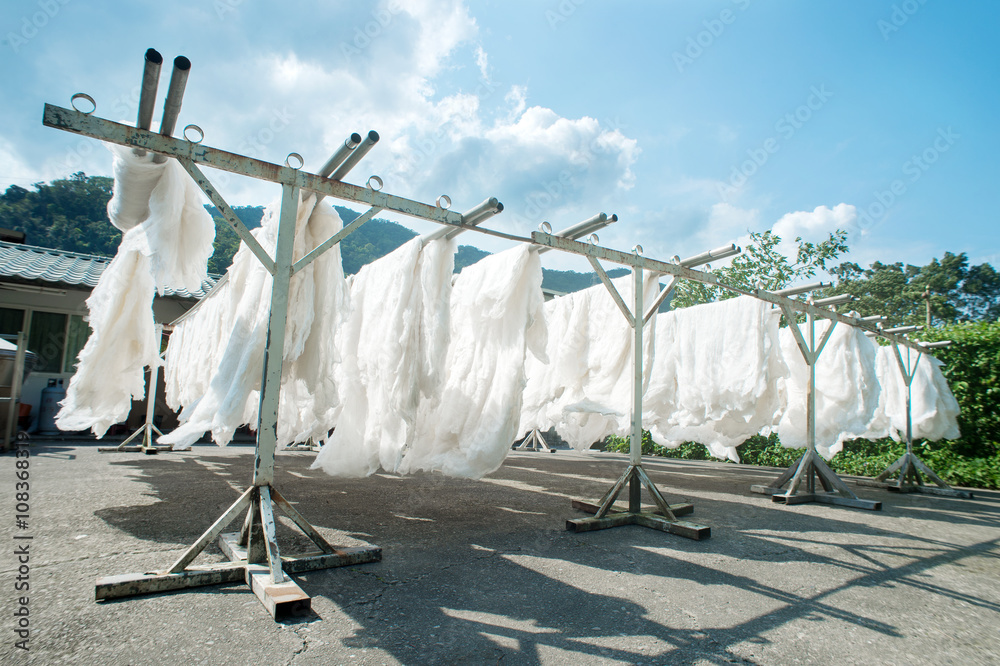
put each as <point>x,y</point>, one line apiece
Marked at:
<point>811,403</point>
<point>267,422</point>
<point>909,399</point>
<point>635,442</point>
<point>154,378</point>
<point>15,391</point>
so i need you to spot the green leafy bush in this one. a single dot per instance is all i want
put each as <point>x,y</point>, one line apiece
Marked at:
<point>972,366</point>
<point>859,457</point>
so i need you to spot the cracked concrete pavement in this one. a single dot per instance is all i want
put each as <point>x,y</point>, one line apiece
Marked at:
<point>484,572</point>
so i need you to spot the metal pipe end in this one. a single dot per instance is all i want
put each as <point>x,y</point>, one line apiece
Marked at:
<point>353,140</point>
<point>175,95</point>
<point>355,156</point>
<point>147,93</point>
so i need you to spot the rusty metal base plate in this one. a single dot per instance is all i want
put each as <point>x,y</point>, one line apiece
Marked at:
<point>131,585</point>
<point>823,498</point>
<point>652,520</point>
<point>281,600</point>
<point>150,450</point>
<point>913,488</point>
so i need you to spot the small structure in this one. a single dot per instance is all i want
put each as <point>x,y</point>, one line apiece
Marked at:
<point>43,293</point>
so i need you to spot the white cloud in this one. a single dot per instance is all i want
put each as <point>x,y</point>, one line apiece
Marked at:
<point>517,98</point>
<point>483,63</point>
<point>14,170</point>
<point>813,226</point>
<point>415,72</point>
<point>440,134</point>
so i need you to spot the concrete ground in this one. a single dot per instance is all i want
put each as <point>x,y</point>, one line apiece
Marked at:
<point>484,572</point>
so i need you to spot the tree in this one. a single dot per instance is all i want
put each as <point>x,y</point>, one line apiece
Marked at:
<point>955,291</point>
<point>224,247</point>
<point>761,264</point>
<point>68,214</point>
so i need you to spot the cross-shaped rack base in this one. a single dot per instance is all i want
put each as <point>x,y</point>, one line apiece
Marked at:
<point>534,442</point>
<point>664,520</point>
<point>910,468</point>
<point>253,558</point>
<point>810,467</point>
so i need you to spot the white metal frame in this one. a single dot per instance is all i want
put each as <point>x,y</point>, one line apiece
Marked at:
<point>810,466</point>
<point>909,465</point>
<point>666,516</point>
<point>254,553</point>
<point>534,442</point>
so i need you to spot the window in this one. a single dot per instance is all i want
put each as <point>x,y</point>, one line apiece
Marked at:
<point>11,321</point>
<point>76,338</point>
<point>47,338</point>
<point>56,338</point>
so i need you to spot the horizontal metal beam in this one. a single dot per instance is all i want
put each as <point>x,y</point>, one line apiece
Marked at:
<point>74,121</point>
<point>581,229</point>
<point>633,260</point>
<point>630,259</point>
<point>899,330</point>
<point>130,585</point>
<point>840,299</point>
<point>470,218</point>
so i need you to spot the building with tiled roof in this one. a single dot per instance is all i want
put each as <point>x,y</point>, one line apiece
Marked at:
<point>44,292</point>
<point>44,266</point>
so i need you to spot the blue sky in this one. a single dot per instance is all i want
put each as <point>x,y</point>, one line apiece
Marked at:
<point>693,121</point>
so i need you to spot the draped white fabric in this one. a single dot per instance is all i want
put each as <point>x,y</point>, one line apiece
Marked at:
<point>167,241</point>
<point>439,369</point>
<point>215,364</point>
<point>496,321</point>
<point>715,374</point>
<point>394,349</point>
<point>585,389</point>
<point>847,389</point>
<point>934,410</point>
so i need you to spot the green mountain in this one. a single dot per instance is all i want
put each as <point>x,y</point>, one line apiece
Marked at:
<point>71,214</point>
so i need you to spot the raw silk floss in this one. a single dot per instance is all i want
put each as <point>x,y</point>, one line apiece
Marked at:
<point>216,361</point>
<point>584,390</point>
<point>167,241</point>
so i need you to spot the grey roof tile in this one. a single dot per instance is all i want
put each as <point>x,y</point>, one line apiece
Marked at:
<point>72,269</point>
